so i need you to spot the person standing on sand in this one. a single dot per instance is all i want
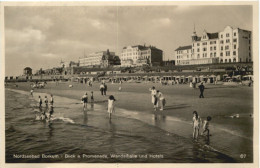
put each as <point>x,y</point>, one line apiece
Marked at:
<point>46,101</point>
<point>31,92</point>
<point>153,93</point>
<point>160,100</point>
<point>101,87</point>
<point>92,97</point>
<point>52,100</point>
<point>111,106</point>
<point>84,100</point>
<point>155,103</point>
<point>105,89</point>
<point>40,102</point>
<point>201,87</point>
<point>196,125</point>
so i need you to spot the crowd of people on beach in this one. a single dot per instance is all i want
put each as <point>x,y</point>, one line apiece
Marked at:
<point>45,114</point>
<point>157,99</point>
<point>110,101</point>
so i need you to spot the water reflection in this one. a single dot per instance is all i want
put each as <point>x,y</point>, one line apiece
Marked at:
<point>92,106</point>
<point>85,117</point>
<point>50,131</point>
<point>159,118</point>
<point>111,140</point>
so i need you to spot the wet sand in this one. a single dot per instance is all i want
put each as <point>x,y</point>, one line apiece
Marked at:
<point>220,102</point>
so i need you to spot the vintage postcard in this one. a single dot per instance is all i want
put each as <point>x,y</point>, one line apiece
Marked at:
<point>141,84</point>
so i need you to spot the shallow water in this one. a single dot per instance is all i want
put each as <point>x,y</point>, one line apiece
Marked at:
<point>151,137</point>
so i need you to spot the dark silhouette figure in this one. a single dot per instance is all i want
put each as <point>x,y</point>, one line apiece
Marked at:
<point>105,89</point>
<point>201,87</point>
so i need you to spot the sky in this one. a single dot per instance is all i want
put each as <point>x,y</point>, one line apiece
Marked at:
<point>40,37</point>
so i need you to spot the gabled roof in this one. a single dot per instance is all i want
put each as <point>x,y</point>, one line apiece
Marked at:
<point>212,35</point>
<point>184,48</point>
<point>141,47</point>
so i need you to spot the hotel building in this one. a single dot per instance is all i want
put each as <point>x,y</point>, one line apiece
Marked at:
<point>101,59</point>
<point>230,45</point>
<point>141,55</point>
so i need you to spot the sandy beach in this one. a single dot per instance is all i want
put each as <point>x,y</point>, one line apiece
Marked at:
<point>220,102</point>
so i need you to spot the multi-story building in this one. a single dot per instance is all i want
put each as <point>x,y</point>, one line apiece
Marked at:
<point>139,55</point>
<point>98,59</point>
<point>230,45</point>
<point>110,60</point>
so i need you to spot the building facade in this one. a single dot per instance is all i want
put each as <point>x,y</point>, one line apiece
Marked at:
<point>141,55</point>
<point>100,59</point>
<point>110,60</point>
<point>230,45</point>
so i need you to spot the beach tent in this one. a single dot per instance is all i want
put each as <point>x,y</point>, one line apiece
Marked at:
<point>174,78</point>
<point>150,78</point>
<point>237,77</point>
<point>166,78</point>
<point>194,79</point>
<point>225,76</point>
<point>186,79</point>
<point>124,78</point>
<point>189,79</point>
<point>218,78</point>
<point>201,77</point>
<point>178,78</point>
<point>206,78</point>
<point>182,78</point>
<point>247,77</point>
<point>212,78</point>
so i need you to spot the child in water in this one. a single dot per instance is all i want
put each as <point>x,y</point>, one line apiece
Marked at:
<point>84,100</point>
<point>111,106</point>
<point>206,126</point>
<point>196,125</point>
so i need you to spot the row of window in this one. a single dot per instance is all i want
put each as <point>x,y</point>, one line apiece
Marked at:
<point>228,41</point>
<point>221,42</point>
<point>204,55</point>
<point>228,53</point>
<point>221,61</point>
<point>228,60</point>
<point>227,47</point>
<point>227,35</point>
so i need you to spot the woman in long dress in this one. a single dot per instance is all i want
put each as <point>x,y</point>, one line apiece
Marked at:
<point>111,106</point>
<point>153,93</point>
